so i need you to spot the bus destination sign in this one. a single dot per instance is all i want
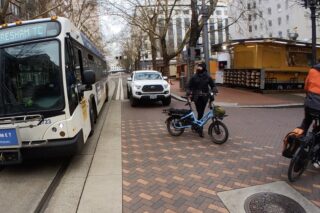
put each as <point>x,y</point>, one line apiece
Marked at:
<point>29,32</point>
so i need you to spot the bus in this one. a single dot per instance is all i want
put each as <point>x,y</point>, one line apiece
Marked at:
<point>53,84</point>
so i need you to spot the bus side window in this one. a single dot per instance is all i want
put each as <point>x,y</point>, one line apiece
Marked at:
<point>71,83</point>
<point>78,64</point>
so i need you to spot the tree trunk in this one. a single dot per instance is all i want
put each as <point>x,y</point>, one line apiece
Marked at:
<point>166,65</point>
<point>153,50</point>
<point>165,56</point>
<point>195,32</point>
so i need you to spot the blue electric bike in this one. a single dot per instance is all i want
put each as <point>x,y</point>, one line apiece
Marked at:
<point>181,119</point>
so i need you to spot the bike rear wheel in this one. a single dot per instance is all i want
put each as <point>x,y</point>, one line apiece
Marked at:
<point>172,123</point>
<point>219,132</point>
<point>298,164</point>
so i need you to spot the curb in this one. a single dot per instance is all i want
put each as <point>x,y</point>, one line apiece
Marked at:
<point>236,105</point>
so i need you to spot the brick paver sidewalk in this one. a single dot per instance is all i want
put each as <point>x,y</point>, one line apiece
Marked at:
<point>169,174</point>
<point>242,96</point>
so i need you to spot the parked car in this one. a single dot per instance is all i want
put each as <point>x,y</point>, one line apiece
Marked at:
<point>148,85</point>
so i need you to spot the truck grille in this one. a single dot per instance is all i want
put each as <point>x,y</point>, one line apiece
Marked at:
<point>152,88</point>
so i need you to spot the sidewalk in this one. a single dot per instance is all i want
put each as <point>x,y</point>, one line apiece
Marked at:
<point>240,97</point>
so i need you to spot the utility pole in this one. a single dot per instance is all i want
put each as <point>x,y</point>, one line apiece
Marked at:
<point>205,39</point>
<point>312,4</point>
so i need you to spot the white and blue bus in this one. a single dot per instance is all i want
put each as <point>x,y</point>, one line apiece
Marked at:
<point>53,84</point>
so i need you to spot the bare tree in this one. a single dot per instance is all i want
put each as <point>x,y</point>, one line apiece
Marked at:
<point>4,11</point>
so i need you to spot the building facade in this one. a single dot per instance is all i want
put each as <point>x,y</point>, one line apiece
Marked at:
<point>180,22</point>
<point>270,18</point>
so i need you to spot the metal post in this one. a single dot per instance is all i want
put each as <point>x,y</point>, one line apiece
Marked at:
<point>314,33</point>
<point>205,39</point>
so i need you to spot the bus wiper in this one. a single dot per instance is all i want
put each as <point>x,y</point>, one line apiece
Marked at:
<point>10,93</point>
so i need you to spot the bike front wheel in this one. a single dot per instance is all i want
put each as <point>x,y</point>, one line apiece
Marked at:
<point>219,132</point>
<point>298,164</point>
<point>172,123</point>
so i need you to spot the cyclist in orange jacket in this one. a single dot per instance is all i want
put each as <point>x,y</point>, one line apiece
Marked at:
<point>312,101</point>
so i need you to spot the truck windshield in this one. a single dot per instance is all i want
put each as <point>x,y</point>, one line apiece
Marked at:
<point>30,78</point>
<point>147,76</point>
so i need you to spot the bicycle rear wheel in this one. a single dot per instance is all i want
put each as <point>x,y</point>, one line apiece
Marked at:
<point>172,123</point>
<point>219,132</point>
<point>298,164</point>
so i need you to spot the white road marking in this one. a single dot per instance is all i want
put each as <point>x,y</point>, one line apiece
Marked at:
<point>118,90</point>
<point>122,93</point>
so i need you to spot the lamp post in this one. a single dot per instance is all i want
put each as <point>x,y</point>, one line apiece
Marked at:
<point>205,39</point>
<point>312,4</point>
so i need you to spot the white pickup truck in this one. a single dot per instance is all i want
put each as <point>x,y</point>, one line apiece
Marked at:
<point>148,85</point>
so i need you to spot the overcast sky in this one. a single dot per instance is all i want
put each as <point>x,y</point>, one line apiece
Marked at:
<point>112,28</point>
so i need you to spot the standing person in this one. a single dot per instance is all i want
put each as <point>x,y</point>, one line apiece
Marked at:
<point>312,102</point>
<point>198,90</point>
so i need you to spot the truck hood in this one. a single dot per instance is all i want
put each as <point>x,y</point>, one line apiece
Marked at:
<point>150,82</point>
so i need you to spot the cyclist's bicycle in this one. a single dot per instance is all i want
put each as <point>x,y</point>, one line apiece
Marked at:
<point>306,152</point>
<point>181,119</point>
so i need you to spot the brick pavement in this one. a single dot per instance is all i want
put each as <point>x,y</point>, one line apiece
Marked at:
<point>162,173</point>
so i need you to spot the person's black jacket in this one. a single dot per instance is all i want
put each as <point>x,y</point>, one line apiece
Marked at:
<point>199,84</point>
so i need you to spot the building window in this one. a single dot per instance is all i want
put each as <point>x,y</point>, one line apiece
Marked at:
<point>218,12</point>
<point>269,10</point>
<point>270,35</point>
<point>178,12</point>
<point>261,14</point>
<point>255,27</point>
<point>249,18</point>
<point>254,4</point>
<point>179,31</point>
<point>212,32</point>
<point>279,6</point>
<point>270,23</point>
<point>255,16</point>
<point>250,28</point>
<point>287,4</point>
<point>220,29</point>
<point>186,23</point>
<point>14,9</point>
<point>280,34</point>
<point>249,6</point>
<point>279,21</point>
<point>287,18</point>
<point>186,12</point>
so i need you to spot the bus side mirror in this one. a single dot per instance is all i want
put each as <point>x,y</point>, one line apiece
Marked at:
<point>89,77</point>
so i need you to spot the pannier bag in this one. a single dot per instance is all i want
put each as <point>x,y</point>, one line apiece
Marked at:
<point>291,142</point>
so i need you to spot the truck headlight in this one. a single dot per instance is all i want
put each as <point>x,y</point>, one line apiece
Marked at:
<point>137,86</point>
<point>166,86</point>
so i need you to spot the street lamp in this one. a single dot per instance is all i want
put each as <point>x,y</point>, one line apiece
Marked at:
<point>205,39</point>
<point>312,4</point>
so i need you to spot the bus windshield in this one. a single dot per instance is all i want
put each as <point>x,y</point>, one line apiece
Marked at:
<point>30,78</point>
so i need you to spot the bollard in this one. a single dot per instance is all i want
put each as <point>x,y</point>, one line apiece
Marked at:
<point>182,82</point>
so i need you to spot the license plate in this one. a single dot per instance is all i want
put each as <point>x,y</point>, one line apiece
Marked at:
<point>9,138</point>
<point>153,96</point>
